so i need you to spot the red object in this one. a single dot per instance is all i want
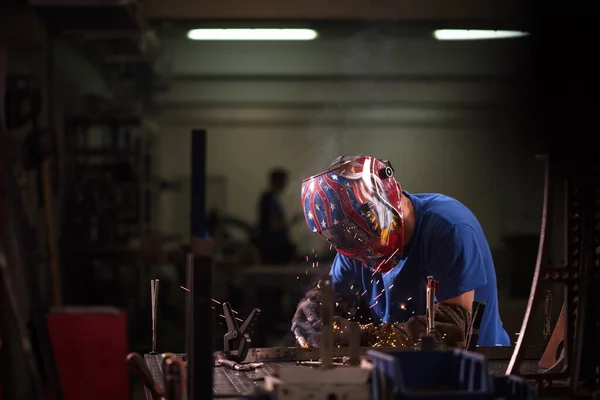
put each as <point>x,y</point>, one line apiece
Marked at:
<point>90,346</point>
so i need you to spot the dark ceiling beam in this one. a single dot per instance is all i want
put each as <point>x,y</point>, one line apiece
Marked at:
<point>348,78</point>
<point>394,10</point>
<point>303,124</point>
<point>422,105</point>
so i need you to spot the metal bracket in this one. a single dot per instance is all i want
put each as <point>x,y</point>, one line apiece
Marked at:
<point>476,316</point>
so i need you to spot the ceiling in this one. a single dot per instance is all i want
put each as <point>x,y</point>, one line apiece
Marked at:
<point>493,13</point>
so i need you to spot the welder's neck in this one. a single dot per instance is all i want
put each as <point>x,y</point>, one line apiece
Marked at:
<point>409,219</point>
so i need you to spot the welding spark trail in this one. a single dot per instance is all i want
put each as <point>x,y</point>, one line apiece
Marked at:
<point>217,302</point>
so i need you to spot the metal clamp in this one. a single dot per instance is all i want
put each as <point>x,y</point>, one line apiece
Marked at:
<point>432,287</point>
<point>236,341</point>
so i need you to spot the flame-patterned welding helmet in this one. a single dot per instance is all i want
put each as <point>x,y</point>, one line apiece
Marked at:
<point>355,206</point>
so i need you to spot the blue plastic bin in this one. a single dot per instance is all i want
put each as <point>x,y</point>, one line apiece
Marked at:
<point>439,374</point>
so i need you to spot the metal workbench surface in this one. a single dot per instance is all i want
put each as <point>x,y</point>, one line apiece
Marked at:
<point>233,384</point>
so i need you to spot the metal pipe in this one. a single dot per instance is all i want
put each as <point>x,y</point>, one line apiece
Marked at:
<point>354,339</point>
<point>430,311</point>
<point>327,303</point>
<point>154,300</point>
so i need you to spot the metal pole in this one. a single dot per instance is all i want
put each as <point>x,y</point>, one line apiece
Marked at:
<point>326,345</point>
<point>430,306</point>
<point>154,298</point>
<point>199,315</point>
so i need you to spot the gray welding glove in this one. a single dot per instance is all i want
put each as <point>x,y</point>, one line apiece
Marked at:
<point>451,325</point>
<point>307,322</point>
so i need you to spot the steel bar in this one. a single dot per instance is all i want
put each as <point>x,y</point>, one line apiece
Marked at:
<point>430,311</point>
<point>327,306</point>
<point>354,336</point>
<point>154,299</point>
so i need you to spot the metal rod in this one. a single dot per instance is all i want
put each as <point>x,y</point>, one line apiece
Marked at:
<point>354,339</point>
<point>326,345</point>
<point>199,324</point>
<point>430,306</point>
<point>154,300</point>
<point>548,315</point>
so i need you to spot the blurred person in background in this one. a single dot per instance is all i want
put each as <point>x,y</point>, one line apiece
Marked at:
<point>388,241</point>
<point>274,241</point>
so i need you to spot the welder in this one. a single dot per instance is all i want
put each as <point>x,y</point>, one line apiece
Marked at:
<point>388,241</point>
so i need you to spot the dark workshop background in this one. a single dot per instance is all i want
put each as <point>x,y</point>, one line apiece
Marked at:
<point>121,88</point>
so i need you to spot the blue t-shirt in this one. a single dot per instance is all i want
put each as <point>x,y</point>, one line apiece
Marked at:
<point>448,243</point>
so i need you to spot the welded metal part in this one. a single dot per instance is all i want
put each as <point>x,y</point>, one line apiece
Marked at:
<point>580,275</point>
<point>472,335</point>
<point>541,263</point>
<point>285,354</point>
<point>229,383</point>
<point>354,339</point>
<point>327,309</point>
<point>154,300</point>
<point>199,325</point>
<point>226,381</point>
<point>547,316</point>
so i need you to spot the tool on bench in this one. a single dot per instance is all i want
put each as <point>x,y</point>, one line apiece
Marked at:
<point>137,366</point>
<point>154,299</point>
<point>432,286</point>
<point>472,336</point>
<point>236,341</point>
<point>174,378</point>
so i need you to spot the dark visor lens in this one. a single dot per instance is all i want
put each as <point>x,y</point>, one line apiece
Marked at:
<point>346,235</point>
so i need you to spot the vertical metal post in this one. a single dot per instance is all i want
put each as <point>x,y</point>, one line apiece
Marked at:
<point>154,300</point>
<point>199,316</point>
<point>430,306</point>
<point>327,302</point>
<point>354,336</point>
<point>198,184</point>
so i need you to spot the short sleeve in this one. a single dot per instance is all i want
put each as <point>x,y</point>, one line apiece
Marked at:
<point>457,263</point>
<point>344,274</point>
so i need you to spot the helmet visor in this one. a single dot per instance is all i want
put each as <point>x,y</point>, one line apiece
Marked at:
<point>347,236</point>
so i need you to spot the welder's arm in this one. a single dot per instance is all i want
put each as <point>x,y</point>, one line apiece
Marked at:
<point>456,262</point>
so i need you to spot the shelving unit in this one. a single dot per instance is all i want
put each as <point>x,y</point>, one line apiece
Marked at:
<point>109,195</point>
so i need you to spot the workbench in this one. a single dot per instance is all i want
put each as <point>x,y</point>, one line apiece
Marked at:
<point>229,384</point>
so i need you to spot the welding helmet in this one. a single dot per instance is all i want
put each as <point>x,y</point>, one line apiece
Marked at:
<point>355,206</point>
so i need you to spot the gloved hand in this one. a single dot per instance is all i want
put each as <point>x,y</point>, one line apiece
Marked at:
<point>307,322</point>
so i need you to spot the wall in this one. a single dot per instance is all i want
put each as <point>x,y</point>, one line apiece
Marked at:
<point>449,116</point>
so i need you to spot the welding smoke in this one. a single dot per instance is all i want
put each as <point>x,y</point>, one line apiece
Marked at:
<point>330,131</point>
<point>368,52</point>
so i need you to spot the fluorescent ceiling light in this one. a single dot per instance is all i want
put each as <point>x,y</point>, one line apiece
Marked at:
<point>473,34</point>
<point>252,34</point>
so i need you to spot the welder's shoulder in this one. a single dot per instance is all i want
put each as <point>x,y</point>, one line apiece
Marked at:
<point>445,210</point>
<point>441,213</point>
